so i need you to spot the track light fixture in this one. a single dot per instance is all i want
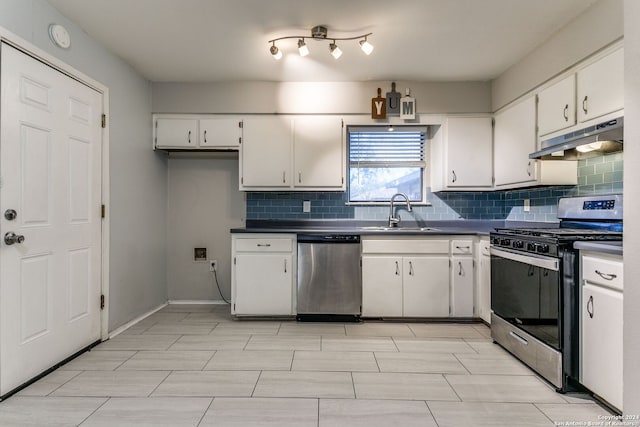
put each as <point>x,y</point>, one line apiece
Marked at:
<point>319,33</point>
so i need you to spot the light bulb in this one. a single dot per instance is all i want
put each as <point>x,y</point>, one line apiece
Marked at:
<point>366,47</point>
<point>335,50</point>
<point>275,52</point>
<point>590,147</point>
<point>302,48</point>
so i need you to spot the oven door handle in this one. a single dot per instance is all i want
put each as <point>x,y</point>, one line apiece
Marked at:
<point>538,261</point>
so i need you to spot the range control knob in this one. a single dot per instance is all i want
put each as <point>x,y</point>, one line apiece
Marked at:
<point>518,244</point>
<point>531,247</point>
<point>543,249</point>
<point>505,242</point>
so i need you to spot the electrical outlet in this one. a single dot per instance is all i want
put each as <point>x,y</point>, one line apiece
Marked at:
<point>213,265</point>
<point>527,205</point>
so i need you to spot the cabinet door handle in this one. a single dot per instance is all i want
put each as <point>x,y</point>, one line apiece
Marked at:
<point>410,268</point>
<point>397,269</point>
<point>459,268</point>
<point>529,168</point>
<point>189,137</point>
<point>454,178</point>
<point>285,265</point>
<point>606,276</point>
<point>299,177</point>
<point>205,136</point>
<point>590,311</point>
<point>284,177</point>
<point>584,104</point>
<point>565,112</point>
<point>264,245</point>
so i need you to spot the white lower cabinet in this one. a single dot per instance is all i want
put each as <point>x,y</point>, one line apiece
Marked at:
<point>411,277</point>
<point>381,286</point>
<point>263,274</point>
<point>601,327</point>
<point>426,286</point>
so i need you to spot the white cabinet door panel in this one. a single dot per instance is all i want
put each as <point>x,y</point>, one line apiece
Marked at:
<point>601,87</point>
<point>177,133</point>
<point>318,152</point>
<point>263,284</point>
<point>426,286</point>
<point>469,152</point>
<point>602,342</point>
<point>381,286</point>
<point>557,106</point>
<point>462,287</point>
<point>266,152</point>
<point>514,140</point>
<point>220,132</point>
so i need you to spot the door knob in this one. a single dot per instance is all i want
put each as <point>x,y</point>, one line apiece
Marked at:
<point>10,214</point>
<point>10,238</point>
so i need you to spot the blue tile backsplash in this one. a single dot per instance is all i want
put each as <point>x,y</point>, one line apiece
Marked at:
<point>597,175</point>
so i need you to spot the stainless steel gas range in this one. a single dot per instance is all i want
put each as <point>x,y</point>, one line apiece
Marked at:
<point>534,285</point>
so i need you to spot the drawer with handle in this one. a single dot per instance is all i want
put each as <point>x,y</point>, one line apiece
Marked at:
<point>264,245</point>
<point>461,247</point>
<point>603,271</point>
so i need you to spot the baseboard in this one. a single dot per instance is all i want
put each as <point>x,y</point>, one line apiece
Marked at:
<point>127,325</point>
<point>195,302</point>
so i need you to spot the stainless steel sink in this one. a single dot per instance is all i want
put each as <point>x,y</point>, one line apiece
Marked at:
<point>386,228</point>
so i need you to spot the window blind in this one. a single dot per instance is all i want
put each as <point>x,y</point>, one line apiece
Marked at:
<point>382,147</point>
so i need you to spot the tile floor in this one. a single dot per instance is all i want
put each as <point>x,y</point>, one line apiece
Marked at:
<point>193,365</point>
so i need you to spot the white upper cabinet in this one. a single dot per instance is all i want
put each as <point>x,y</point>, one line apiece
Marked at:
<point>299,154</point>
<point>181,133</point>
<point>514,140</point>
<point>197,132</point>
<point>469,152</point>
<point>318,152</point>
<point>265,154</point>
<point>220,132</point>
<point>601,87</point>
<point>557,106</point>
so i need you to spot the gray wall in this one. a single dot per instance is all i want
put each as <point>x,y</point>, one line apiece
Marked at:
<point>204,203</point>
<point>597,27</point>
<point>320,97</point>
<point>138,181</point>
<point>632,207</point>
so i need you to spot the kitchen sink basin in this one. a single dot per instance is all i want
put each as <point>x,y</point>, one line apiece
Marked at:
<point>386,228</point>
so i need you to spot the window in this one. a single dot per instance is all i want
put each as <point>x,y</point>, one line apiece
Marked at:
<point>383,163</point>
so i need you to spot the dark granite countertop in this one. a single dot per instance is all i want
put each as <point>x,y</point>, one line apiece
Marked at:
<point>613,248</point>
<point>368,227</point>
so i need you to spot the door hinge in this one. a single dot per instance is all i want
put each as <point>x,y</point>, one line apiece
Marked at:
<point>240,124</point>
<point>241,180</point>
<point>240,140</point>
<point>103,210</point>
<point>104,120</point>
<point>234,260</point>
<point>102,302</point>
<point>493,123</point>
<point>342,180</point>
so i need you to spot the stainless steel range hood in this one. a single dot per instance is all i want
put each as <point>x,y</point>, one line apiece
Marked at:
<point>592,141</point>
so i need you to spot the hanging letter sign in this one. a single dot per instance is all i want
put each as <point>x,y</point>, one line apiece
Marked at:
<point>407,107</point>
<point>393,101</point>
<point>378,106</point>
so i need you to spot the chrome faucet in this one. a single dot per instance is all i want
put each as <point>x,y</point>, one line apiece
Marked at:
<point>393,221</point>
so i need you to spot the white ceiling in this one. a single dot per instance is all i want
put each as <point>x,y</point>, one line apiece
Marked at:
<point>227,40</point>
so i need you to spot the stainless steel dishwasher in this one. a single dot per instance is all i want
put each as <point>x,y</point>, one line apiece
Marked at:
<point>329,277</point>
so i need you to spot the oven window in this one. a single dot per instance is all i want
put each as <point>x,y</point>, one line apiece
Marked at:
<point>527,296</point>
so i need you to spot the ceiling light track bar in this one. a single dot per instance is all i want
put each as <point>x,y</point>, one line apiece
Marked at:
<point>319,33</point>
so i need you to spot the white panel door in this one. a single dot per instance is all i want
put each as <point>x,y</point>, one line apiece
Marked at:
<point>601,87</point>
<point>462,287</point>
<point>426,286</point>
<point>557,106</point>
<point>318,152</point>
<point>50,164</point>
<point>220,132</point>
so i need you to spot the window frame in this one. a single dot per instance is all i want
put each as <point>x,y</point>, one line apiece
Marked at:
<point>384,128</point>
